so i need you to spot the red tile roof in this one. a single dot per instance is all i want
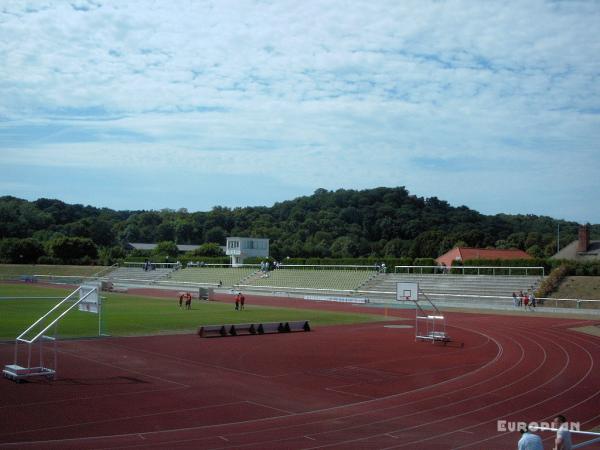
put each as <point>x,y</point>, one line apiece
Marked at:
<point>491,253</point>
<point>466,253</point>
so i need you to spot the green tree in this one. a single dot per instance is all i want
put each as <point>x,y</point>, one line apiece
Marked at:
<point>396,248</point>
<point>344,247</point>
<point>20,251</point>
<point>427,244</point>
<point>208,249</point>
<point>73,249</point>
<point>535,251</point>
<point>216,235</point>
<point>166,248</point>
<point>107,256</point>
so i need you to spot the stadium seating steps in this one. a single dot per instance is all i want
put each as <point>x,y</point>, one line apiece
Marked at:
<point>227,276</point>
<point>466,289</point>
<point>342,279</point>
<point>137,274</point>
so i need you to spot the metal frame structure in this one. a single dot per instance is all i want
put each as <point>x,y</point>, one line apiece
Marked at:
<point>18,372</point>
<point>429,326</point>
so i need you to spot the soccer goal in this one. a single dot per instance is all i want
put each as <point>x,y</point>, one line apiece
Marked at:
<point>40,339</point>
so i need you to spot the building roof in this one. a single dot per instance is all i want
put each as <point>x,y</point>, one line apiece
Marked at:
<point>570,252</point>
<point>253,238</point>
<point>492,253</point>
<point>467,253</point>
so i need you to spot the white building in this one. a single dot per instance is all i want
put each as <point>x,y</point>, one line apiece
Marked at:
<point>240,248</point>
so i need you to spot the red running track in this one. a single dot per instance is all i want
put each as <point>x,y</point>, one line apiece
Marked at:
<point>342,387</point>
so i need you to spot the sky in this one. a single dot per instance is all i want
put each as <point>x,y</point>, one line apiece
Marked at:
<point>193,104</point>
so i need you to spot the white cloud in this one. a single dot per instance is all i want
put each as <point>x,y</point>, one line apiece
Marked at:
<point>317,94</point>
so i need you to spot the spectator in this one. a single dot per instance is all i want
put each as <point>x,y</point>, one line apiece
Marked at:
<point>563,435</point>
<point>515,301</point>
<point>532,299</point>
<point>529,441</point>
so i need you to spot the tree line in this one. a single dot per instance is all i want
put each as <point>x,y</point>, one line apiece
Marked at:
<point>372,223</point>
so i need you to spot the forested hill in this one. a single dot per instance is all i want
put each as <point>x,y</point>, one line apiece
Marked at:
<point>344,223</point>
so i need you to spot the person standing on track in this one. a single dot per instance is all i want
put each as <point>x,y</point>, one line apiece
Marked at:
<point>181,300</point>
<point>242,300</point>
<point>188,300</point>
<point>237,301</point>
<point>563,435</point>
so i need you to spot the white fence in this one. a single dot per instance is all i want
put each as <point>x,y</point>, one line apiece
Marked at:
<point>471,270</point>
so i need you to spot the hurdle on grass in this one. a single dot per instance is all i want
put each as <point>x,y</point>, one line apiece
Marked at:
<point>45,329</point>
<point>429,326</point>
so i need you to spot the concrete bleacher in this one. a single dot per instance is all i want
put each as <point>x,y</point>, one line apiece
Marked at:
<point>228,276</point>
<point>313,278</point>
<point>137,274</point>
<point>462,290</point>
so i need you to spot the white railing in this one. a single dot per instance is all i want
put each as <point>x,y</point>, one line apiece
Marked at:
<point>72,279</point>
<point>543,304</point>
<point>287,266</point>
<point>582,433</point>
<point>328,267</point>
<point>496,270</point>
<point>220,266</point>
<point>158,265</point>
<point>105,270</point>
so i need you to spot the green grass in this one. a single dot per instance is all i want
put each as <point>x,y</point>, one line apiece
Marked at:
<point>16,270</point>
<point>126,315</point>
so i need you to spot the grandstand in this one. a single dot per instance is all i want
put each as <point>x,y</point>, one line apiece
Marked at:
<point>138,275</point>
<point>312,277</point>
<point>209,274</point>
<point>463,290</point>
<point>446,289</point>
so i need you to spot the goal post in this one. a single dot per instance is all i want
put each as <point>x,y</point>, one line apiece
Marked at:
<point>45,329</point>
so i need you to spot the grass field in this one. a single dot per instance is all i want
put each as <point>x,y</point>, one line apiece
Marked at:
<point>16,270</point>
<point>131,315</point>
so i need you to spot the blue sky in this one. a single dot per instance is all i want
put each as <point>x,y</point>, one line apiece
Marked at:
<point>171,104</point>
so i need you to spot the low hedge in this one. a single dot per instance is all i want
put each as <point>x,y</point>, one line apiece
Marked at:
<point>552,281</point>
